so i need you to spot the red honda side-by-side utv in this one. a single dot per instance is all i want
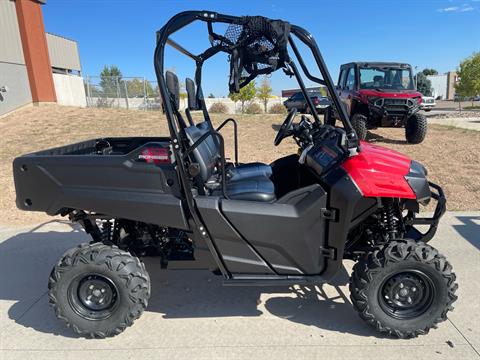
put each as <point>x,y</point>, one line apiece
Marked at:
<point>291,222</point>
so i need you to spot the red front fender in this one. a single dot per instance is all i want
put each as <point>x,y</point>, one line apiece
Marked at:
<point>380,172</point>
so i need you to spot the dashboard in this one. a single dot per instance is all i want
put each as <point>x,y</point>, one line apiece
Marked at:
<point>326,151</point>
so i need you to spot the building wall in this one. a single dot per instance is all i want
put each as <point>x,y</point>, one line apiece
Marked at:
<point>14,85</point>
<point>70,90</point>
<point>63,53</point>
<point>439,85</point>
<point>451,81</point>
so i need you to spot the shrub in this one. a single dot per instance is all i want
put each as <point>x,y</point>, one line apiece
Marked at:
<point>218,108</point>
<point>253,108</point>
<point>277,109</point>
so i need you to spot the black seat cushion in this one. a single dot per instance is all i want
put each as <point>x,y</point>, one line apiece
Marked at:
<point>249,170</point>
<point>250,189</point>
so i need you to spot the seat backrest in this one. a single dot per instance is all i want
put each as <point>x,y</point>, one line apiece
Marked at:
<point>206,154</point>
<point>191,94</point>
<point>173,88</point>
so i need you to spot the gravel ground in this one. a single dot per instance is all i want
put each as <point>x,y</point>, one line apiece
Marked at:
<point>448,153</point>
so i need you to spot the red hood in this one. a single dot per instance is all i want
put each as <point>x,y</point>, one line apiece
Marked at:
<point>380,172</point>
<point>407,94</point>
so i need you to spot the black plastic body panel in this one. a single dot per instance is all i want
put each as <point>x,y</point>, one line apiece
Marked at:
<point>237,254</point>
<point>288,235</point>
<point>417,179</point>
<point>351,207</point>
<point>108,178</point>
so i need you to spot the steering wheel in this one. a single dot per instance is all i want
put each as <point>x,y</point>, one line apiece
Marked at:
<point>283,132</point>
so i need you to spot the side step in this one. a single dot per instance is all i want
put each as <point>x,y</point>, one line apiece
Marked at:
<point>256,280</point>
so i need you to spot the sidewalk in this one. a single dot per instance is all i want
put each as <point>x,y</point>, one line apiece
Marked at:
<point>191,316</point>
<point>471,123</point>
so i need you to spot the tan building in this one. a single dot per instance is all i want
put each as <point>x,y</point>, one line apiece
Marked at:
<point>29,58</point>
<point>443,85</point>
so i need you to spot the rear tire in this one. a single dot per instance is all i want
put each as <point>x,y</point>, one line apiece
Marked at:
<point>416,128</point>
<point>403,289</point>
<point>359,124</point>
<point>98,290</point>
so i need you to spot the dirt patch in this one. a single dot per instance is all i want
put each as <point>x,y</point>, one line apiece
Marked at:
<point>448,153</point>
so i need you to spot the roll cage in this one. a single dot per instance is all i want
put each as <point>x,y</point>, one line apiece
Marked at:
<point>183,19</point>
<point>180,146</point>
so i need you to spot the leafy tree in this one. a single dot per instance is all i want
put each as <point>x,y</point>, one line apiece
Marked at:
<point>469,76</point>
<point>428,72</point>
<point>264,92</point>
<point>423,84</point>
<point>136,88</point>
<point>211,96</point>
<point>110,78</point>
<point>247,93</point>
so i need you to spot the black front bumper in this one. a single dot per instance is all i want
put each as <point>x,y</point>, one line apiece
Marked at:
<point>392,114</point>
<point>411,220</point>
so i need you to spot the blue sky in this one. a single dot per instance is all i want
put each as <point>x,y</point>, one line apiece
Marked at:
<point>428,33</point>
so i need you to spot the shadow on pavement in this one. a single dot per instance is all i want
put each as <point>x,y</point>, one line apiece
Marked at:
<point>26,260</point>
<point>469,230</point>
<point>374,138</point>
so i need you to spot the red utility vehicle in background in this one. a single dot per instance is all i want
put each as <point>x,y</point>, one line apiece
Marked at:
<point>381,94</point>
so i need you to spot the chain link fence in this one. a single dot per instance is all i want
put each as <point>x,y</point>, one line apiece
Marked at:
<point>138,93</point>
<point>134,93</point>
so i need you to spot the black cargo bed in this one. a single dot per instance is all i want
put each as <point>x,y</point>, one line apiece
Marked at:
<point>108,176</point>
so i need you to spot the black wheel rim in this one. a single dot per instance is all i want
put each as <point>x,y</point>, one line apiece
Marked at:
<point>406,294</point>
<point>93,296</point>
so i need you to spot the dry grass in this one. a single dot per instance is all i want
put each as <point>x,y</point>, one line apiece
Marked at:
<point>449,154</point>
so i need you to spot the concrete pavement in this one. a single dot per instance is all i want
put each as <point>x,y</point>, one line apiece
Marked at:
<point>190,315</point>
<point>470,123</point>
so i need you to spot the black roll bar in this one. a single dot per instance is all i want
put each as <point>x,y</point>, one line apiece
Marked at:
<point>304,91</point>
<point>305,37</point>
<point>235,135</point>
<point>182,50</point>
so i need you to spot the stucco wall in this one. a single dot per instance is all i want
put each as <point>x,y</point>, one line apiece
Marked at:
<point>70,90</point>
<point>439,85</point>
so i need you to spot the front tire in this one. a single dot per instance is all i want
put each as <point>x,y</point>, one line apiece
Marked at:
<point>98,290</point>
<point>416,128</point>
<point>359,124</point>
<point>403,289</point>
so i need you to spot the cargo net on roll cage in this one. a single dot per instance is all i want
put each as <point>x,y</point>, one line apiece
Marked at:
<point>257,46</point>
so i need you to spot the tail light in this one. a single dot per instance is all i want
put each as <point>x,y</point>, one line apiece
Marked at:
<point>315,100</point>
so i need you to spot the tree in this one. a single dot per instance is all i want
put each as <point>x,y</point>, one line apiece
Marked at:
<point>423,84</point>
<point>469,77</point>
<point>246,93</point>
<point>264,92</point>
<point>428,72</point>
<point>137,88</point>
<point>110,78</point>
<point>211,96</point>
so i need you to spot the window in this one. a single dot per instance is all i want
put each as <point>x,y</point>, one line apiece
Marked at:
<point>350,83</point>
<point>297,96</point>
<point>386,78</point>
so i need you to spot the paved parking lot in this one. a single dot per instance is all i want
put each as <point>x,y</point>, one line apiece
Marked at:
<point>191,316</point>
